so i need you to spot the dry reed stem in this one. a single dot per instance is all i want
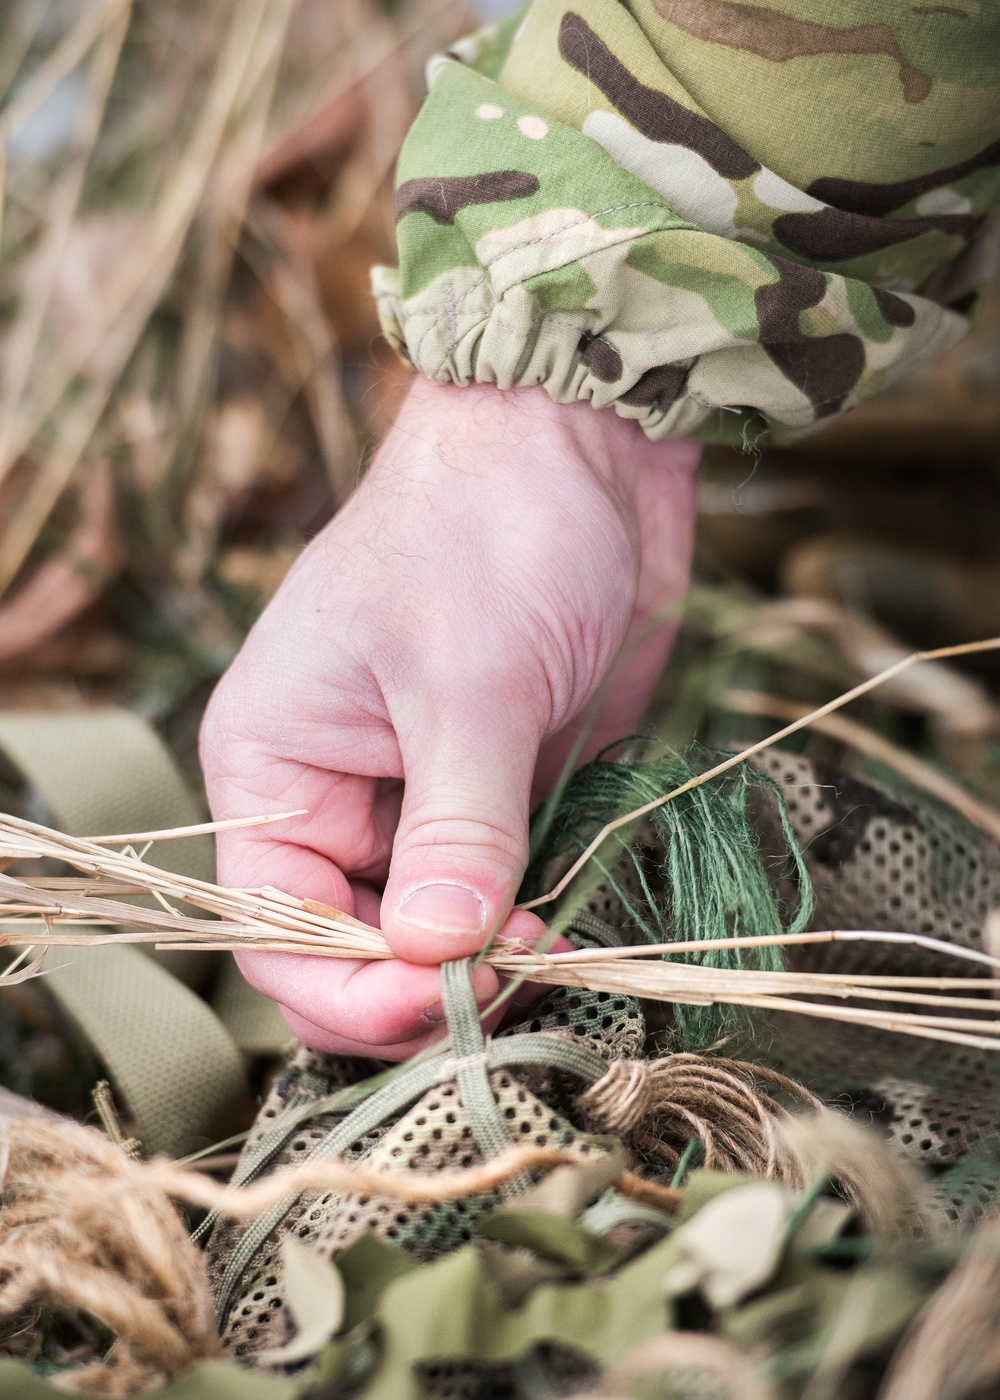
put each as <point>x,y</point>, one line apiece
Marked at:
<point>221,218</point>
<point>269,919</point>
<point>938,654</point>
<point>249,52</point>
<point>22,339</point>
<point>857,736</point>
<point>199,829</point>
<point>690,985</point>
<point>290,280</point>
<point>57,65</point>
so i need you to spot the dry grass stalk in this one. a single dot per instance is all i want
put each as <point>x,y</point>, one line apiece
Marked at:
<point>57,65</point>
<point>64,912</point>
<point>291,282</point>
<point>858,736</point>
<point>957,704</point>
<point>224,148</point>
<point>24,336</point>
<point>272,920</point>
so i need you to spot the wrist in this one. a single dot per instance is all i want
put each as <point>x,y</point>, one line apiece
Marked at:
<point>482,423</point>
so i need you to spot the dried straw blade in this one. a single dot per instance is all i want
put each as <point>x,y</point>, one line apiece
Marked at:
<point>857,736</point>
<point>64,913</point>
<point>69,911</point>
<point>939,654</point>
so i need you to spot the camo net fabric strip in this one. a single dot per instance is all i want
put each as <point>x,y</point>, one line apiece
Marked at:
<point>885,860</point>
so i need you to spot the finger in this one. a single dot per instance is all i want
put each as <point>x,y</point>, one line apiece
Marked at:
<point>370,1004</point>
<point>319,1039</point>
<point>462,838</point>
<point>299,871</point>
<point>345,823</point>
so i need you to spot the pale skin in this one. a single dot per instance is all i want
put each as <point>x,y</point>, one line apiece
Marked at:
<point>508,567</point>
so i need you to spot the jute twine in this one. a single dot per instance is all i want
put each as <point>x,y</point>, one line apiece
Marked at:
<point>953,1347</point>
<point>81,1229</point>
<point>662,1104</point>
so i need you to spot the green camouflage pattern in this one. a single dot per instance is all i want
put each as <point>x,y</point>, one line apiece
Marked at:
<point>724,219</point>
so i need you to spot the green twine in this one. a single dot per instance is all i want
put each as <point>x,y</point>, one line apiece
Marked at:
<point>712,880</point>
<point>695,1147</point>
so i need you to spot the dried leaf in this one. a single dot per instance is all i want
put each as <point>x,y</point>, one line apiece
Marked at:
<point>732,1245</point>
<point>567,1190</point>
<point>314,1294</point>
<point>562,1242</point>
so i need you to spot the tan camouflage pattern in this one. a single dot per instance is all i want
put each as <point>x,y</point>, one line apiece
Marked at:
<point>727,220</point>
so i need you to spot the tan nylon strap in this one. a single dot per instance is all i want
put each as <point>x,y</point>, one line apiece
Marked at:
<point>169,1055</point>
<point>101,771</point>
<point>175,1065</point>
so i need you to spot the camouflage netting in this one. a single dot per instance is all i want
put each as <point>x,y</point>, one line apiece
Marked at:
<point>878,858</point>
<point>882,859</point>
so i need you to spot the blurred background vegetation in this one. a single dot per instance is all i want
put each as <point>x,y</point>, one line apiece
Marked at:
<point>190,370</point>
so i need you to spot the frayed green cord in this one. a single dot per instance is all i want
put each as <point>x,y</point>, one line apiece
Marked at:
<point>712,880</point>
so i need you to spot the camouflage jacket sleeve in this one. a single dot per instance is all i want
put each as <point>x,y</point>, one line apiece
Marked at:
<point>723,219</point>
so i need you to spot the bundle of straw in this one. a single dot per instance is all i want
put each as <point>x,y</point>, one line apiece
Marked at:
<point>45,911</point>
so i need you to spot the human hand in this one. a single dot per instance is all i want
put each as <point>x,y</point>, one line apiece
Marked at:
<point>422,674</point>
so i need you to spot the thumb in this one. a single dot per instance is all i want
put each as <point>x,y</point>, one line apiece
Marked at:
<point>462,840</point>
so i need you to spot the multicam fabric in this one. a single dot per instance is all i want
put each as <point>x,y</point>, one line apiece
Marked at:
<point>724,219</point>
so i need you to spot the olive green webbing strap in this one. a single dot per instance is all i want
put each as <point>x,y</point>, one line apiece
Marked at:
<point>175,1065</point>
<point>471,1058</point>
<point>390,1099</point>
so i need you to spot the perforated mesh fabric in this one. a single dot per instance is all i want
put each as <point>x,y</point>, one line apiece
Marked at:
<point>886,860</point>
<point>880,858</point>
<point>549,1368</point>
<point>434,1134</point>
<point>885,857</point>
<point>970,1190</point>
